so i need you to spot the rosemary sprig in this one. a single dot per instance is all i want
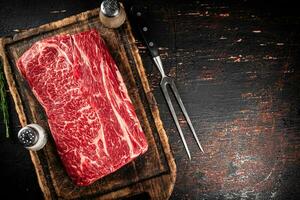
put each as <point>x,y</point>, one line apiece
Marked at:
<point>3,101</point>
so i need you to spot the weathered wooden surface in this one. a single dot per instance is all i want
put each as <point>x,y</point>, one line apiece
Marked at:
<point>153,173</point>
<point>238,73</point>
<point>237,70</point>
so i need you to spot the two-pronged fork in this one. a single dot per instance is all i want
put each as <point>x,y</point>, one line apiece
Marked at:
<point>165,80</point>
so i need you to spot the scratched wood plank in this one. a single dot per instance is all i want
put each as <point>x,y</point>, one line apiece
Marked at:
<point>211,85</point>
<point>237,70</point>
<point>153,173</point>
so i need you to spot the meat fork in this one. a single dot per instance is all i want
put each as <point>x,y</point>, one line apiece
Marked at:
<point>165,80</point>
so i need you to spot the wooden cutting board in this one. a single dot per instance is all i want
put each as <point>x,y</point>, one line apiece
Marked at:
<point>152,174</point>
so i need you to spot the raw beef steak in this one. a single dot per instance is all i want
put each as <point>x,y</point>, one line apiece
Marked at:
<point>90,114</point>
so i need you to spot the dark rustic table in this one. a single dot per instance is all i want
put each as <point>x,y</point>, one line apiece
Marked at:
<point>236,65</point>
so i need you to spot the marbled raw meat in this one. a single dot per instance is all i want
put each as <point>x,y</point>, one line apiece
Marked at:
<point>90,114</point>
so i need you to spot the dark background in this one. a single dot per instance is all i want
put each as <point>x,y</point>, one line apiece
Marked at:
<point>236,65</point>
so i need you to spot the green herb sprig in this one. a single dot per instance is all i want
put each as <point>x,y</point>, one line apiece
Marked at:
<point>3,101</point>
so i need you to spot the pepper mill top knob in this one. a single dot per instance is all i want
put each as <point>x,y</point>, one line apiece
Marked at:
<point>28,136</point>
<point>32,137</point>
<point>112,13</point>
<point>110,8</point>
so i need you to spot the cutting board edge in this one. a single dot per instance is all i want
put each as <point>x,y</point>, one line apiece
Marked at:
<point>43,183</point>
<point>154,109</point>
<point>21,115</point>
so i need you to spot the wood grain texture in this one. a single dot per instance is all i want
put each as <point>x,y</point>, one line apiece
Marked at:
<point>153,173</point>
<point>237,70</point>
<point>236,65</point>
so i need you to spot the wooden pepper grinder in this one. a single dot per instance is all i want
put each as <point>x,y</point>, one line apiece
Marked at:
<point>112,13</point>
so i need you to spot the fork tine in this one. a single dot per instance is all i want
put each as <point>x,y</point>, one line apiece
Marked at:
<point>166,94</point>
<point>178,98</point>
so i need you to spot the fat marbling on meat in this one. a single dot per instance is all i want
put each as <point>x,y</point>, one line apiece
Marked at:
<point>90,114</point>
